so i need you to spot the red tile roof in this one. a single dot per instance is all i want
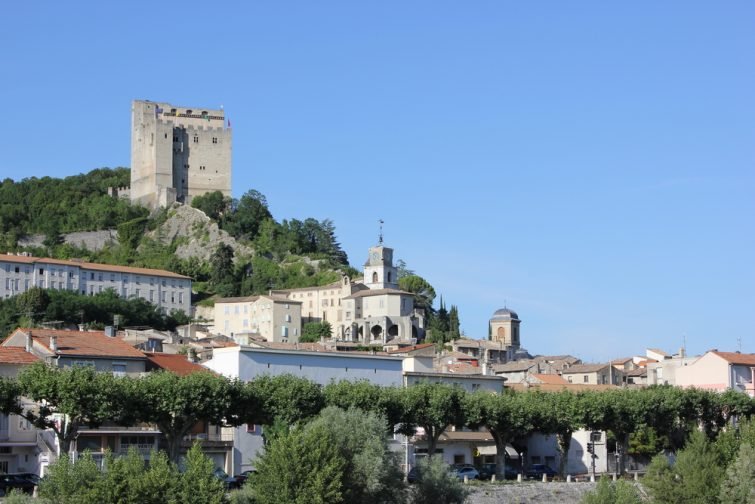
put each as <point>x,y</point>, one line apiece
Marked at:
<point>421,346</point>
<point>741,359</point>
<point>16,355</point>
<point>88,343</point>
<point>90,266</point>
<point>175,363</point>
<point>551,379</point>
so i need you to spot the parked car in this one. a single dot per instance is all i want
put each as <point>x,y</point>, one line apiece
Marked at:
<point>242,477</point>
<point>34,478</point>
<point>21,482</point>
<point>413,475</point>
<point>469,471</point>
<point>537,471</point>
<point>228,481</point>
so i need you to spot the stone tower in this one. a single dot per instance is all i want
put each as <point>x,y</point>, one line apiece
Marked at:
<point>177,153</point>
<point>379,271</point>
<point>504,327</point>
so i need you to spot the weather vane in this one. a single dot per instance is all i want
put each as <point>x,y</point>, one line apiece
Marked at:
<point>380,236</point>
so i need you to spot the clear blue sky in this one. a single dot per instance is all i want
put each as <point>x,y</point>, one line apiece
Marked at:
<point>589,163</point>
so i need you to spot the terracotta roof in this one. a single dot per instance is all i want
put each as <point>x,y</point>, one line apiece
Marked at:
<point>334,285</point>
<point>457,356</point>
<point>450,435</point>
<point>584,368</point>
<point>645,362</point>
<point>658,351</point>
<point>623,360</point>
<point>552,387</point>
<point>251,299</point>
<point>737,358</point>
<point>412,348</point>
<point>551,379</point>
<point>16,355</point>
<point>309,347</point>
<point>84,343</point>
<point>175,363</point>
<point>91,266</point>
<point>554,358</point>
<point>464,368</point>
<point>514,366</point>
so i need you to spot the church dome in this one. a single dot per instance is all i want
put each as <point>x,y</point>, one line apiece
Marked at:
<point>505,314</point>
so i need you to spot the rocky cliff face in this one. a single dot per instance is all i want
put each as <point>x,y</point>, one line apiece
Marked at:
<point>198,236</point>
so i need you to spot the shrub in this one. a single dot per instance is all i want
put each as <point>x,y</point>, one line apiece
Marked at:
<point>608,492</point>
<point>436,485</point>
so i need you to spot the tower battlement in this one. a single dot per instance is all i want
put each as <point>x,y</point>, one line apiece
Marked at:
<point>177,153</point>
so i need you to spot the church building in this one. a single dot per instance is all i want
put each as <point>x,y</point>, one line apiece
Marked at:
<point>373,311</point>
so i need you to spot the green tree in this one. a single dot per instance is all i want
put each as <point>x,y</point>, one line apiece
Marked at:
<point>738,486</point>
<point>126,480</point>
<point>373,475</point>
<point>69,483</point>
<point>695,477</point>
<point>436,485</point>
<point>177,403</point>
<point>422,291</point>
<point>433,407</point>
<point>131,232</point>
<point>248,214</point>
<point>287,398</point>
<point>198,484</point>
<point>508,416</point>
<point>366,396</point>
<point>222,270</point>
<point>302,466</point>
<point>560,414</point>
<point>213,204</point>
<point>454,331</point>
<point>82,395</point>
<point>33,303</point>
<point>313,332</point>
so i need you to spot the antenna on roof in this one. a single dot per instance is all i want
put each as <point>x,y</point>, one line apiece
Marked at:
<point>739,344</point>
<point>380,236</point>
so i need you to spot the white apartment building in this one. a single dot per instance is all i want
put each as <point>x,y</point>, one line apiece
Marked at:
<point>165,289</point>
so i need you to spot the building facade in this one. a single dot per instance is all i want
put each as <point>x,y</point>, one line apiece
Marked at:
<point>165,289</point>
<point>274,318</point>
<point>247,363</point>
<point>720,371</point>
<point>177,153</point>
<point>374,310</point>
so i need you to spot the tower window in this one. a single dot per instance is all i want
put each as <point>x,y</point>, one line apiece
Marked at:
<point>374,277</point>
<point>196,139</point>
<point>214,140</point>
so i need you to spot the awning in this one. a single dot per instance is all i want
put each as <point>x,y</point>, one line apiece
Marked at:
<point>491,450</point>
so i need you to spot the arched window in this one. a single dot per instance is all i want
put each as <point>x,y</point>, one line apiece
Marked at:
<point>389,277</point>
<point>501,332</point>
<point>374,277</point>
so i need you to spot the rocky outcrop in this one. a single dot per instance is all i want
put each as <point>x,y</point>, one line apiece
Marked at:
<point>197,235</point>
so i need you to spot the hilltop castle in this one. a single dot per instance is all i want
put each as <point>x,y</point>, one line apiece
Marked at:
<point>177,153</point>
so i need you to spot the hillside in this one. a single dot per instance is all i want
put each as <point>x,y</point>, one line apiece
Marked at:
<point>239,249</point>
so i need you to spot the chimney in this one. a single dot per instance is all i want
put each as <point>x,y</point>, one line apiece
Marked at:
<point>191,355</point>
<point>54,343</point>
<point>681,352</point>
<point>29,343</point>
